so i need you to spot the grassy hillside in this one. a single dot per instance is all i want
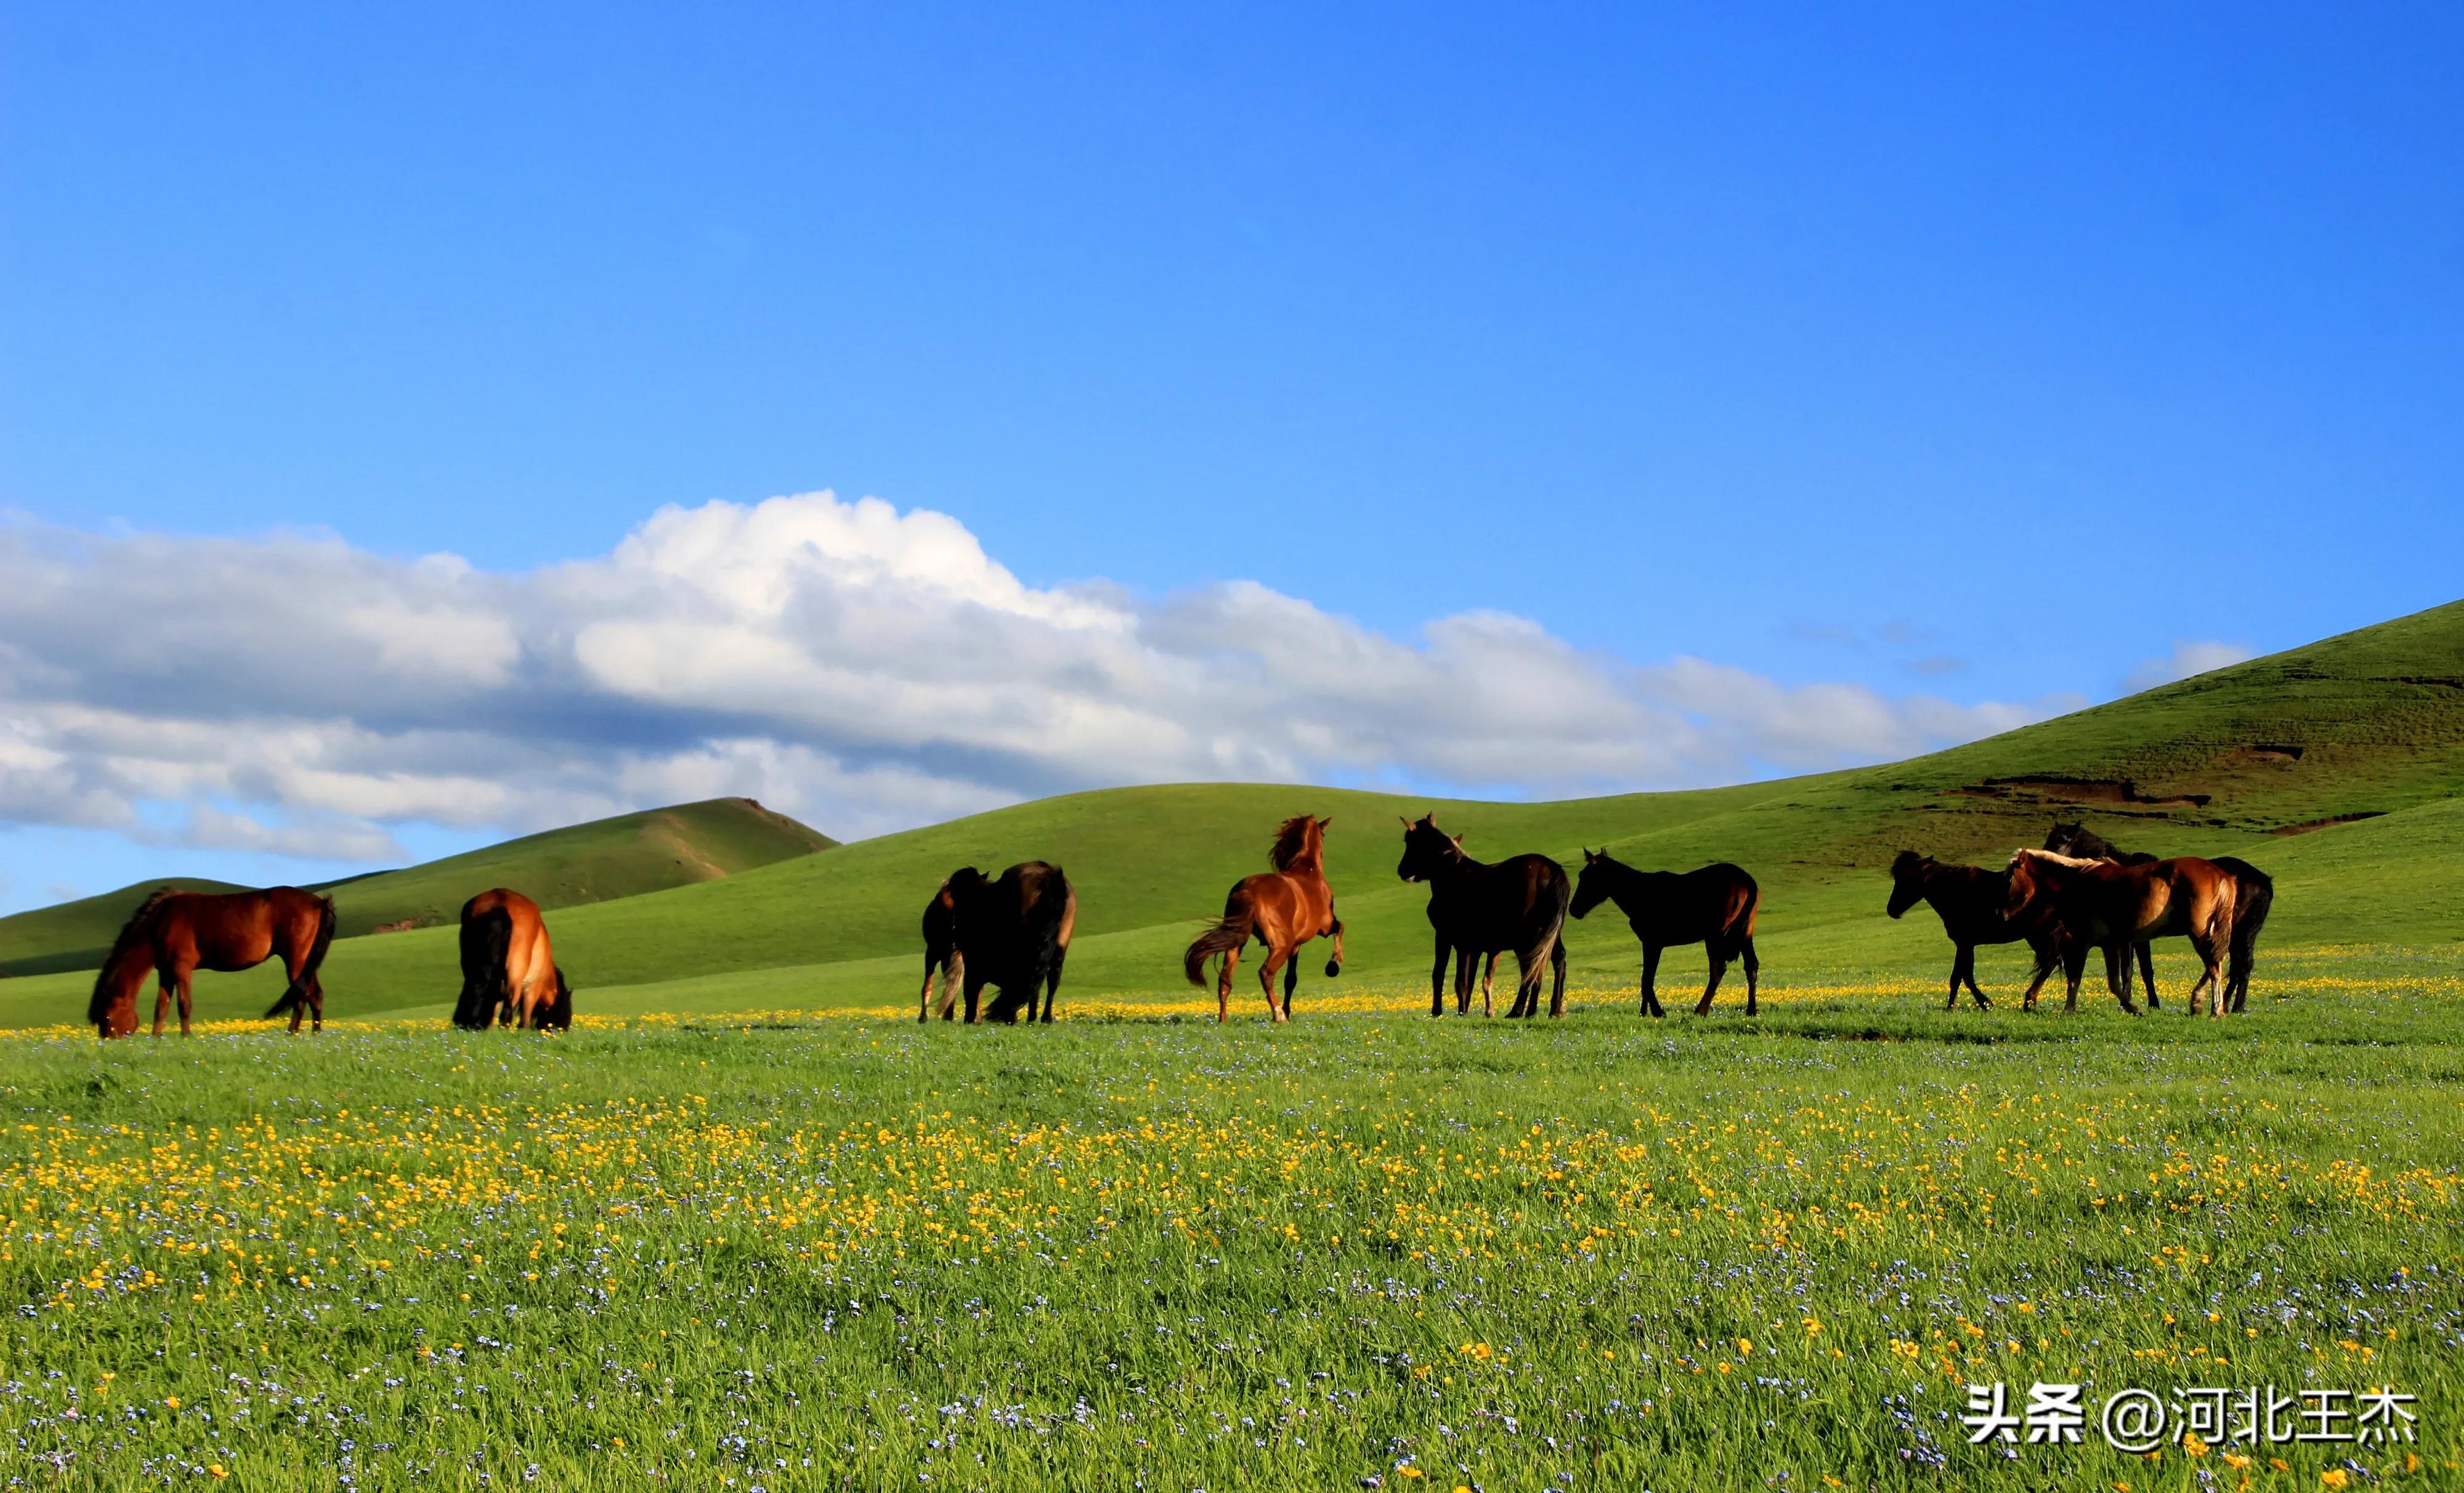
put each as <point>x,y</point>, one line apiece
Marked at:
<point>602,861</point>
<point>71,935</point>
<point>2261,760</point>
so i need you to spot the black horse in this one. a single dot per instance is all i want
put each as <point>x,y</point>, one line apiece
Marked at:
<point>2254,893</point>
<point>1713,906</point>
<point>1013,932</point>
<point>1516,906</point>
<point>1969,901</point>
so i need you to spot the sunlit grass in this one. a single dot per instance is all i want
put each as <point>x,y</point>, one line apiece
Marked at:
<point>832,1248</point>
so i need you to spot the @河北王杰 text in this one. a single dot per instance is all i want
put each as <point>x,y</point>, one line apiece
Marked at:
<point>2138,1420</point>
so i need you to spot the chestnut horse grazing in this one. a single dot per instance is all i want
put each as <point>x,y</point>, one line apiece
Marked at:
<point>2113,906</point>
<point>1713,906</point>
<point>174,933</point>
<point>509,972</point>
<point>1969,901</point>
<point>1516,906</point>
<point>1013,932</point>
<point>1283,909</point>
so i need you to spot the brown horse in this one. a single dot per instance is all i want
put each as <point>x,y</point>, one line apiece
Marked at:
<point>174,933</point>
<point>2112,906</point>
<point>1713,906</point>
<point>1283,909</point>
<point>1012,932</point>
<point>1969,900</point>
<point>2253,897</point>
<point>1478,908</point>
<point>509,970</point>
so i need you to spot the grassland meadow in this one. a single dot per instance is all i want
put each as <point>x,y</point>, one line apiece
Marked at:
<point>1136,1251</point>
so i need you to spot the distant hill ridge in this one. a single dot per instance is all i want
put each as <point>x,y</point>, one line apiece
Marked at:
<point>603,859</point>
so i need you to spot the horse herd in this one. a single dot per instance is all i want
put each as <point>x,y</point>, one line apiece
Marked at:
<point>2078,893</point>
<point>1011,932</point>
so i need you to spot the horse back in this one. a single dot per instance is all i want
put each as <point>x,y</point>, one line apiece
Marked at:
<point>237,930</point>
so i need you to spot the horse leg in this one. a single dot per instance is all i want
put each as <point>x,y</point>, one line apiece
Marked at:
<point>1488,987</point>
<point>184,1004</point>
<point>2116,975</point>
<point>164,982</point>
<point>2047,954</point>
<point>1465,961</point>
<point>975,994</point>
<point>1959,954</point>
<point>1224,987</point>
<point>1276,961</point>
<point>1982,1003</point>
<point>1719,967</point>
<point>2148,971</point>
<point>1557,963</point>
<point>1651,1006</point>
<point>924,1002</point>
<point>1291,982</point>
<point>1438,978</point>
<point>316,1004</point>
<point>1753,973</point>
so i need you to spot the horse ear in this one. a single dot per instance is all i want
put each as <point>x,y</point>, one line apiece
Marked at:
<point>1326,824</point>
<point>1406,819</point>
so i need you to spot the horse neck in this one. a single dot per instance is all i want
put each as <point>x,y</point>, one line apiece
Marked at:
<point>1626,886</point>
<point>1453,863</point>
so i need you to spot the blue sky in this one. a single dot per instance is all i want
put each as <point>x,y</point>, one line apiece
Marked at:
<point>1936,351</point>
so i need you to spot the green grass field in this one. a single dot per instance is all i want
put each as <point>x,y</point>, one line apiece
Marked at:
<point>1368,1251</point>
<point>750,1226</point>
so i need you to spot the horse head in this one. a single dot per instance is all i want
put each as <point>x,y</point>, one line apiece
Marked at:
<point>1907,882</point>
<point>1592,887</point>
<point>1426,849</point>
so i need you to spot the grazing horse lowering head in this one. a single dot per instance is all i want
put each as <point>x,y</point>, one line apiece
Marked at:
<point>1592,887</point>
<point>1907,881</point>
<point>1427,850</point>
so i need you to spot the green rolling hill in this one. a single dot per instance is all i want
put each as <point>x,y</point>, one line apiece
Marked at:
<point>604,860</point>
<point>2335,766</point>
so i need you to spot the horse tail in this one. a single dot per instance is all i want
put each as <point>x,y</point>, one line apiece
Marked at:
<point>487,946</point>
<point>1240,918</point>
<point>297,989</point>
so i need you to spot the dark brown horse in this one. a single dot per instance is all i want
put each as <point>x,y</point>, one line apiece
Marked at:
<point>2254,895</point>
<point>2080,842</point>
<point>2112,906</point>
<point>1283,909</point>
<point>509,970</point>
<point>1969,901</point>
<point>1012,932</point>
<point>1713,906</point>
<point>1516,906</point>
<point>174,933</point>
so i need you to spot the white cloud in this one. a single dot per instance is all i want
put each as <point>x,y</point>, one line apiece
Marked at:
<point>859,667</point>
<point>2187,659</point>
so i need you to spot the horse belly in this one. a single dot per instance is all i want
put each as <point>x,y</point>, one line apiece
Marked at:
<point>227,951</point>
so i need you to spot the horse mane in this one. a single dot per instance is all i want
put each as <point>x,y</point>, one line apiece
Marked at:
<point>1291,837</point>
<point>138,925</point>
<point>2054,858</point>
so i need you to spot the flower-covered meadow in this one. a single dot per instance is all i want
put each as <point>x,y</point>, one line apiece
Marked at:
<point>1365,1251</point>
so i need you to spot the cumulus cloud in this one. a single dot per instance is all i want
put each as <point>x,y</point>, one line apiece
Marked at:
<point>2187,659</point>
<point>856,667</point>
